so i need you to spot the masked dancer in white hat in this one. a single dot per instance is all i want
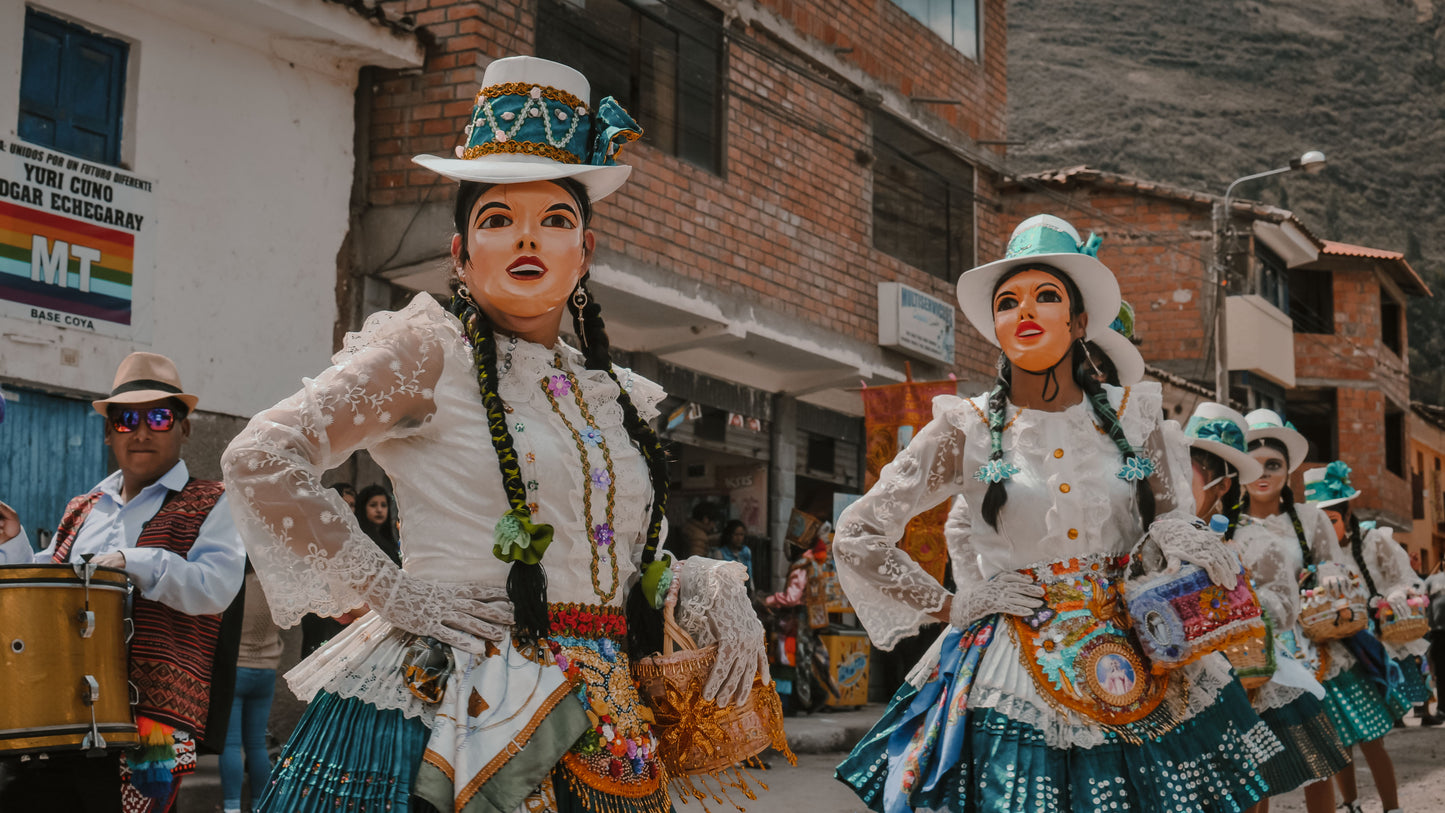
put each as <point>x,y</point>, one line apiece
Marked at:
<point>1037,697</point>
<point>1291,546</point>
<point>1394,669</point>
<point>1284,692</point>
<point>492,672</point>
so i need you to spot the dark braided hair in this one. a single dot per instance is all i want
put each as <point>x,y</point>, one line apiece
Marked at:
<point>527,584</point>
<point>1232,502</point>
<point>1357,544</point>
<point>996,496</point>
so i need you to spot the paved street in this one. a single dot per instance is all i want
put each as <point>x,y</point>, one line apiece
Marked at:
<point>1419,755</point>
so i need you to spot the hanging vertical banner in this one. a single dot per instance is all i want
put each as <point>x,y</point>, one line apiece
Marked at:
<point>892,414</point>
<point>76,242</point>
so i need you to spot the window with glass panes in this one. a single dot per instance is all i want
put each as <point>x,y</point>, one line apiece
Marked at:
<point>661,60</point>
<point>922,201</point>
<point>957,21</point>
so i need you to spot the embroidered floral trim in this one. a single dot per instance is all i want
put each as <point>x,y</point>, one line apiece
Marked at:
<point>586,621</point>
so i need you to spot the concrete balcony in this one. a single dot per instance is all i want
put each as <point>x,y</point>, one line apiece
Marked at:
<point>1260,339</point>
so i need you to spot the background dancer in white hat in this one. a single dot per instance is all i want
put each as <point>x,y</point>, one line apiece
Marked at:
<point>1282,690</point>
<point>1036,697</point>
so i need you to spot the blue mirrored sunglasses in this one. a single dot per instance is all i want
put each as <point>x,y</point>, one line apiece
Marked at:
<point>159,419</point>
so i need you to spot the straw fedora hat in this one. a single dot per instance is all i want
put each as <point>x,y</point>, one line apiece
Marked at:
<point>145,377</point>
<point>532,122</point>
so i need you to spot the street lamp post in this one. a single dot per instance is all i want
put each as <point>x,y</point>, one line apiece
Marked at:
<point>1312,161</point>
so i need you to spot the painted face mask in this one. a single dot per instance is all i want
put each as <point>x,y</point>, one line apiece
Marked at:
<point>526,250</point>
<point>1031,320</point>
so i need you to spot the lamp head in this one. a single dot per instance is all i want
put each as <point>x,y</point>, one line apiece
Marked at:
<point>1311,162</point>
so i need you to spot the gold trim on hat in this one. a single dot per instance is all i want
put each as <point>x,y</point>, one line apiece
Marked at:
<point>521,147</point>
<point>525,89</point>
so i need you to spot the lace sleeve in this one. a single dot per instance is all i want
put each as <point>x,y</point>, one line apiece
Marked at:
<point>957,533</point>
<point>303,540</point>
<point>1392,562</point>
<point>891,593</point>
<point>1167,448</point>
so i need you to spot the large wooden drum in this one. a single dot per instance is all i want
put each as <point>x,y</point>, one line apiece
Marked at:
<point>63,676</point>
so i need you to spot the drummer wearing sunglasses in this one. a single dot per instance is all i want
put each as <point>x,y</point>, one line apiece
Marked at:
<point>174,537</point>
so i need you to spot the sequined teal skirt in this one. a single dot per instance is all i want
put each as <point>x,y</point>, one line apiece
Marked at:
<point>1355,707</point>
<point>347,756</point>
<point>1312,749</point>
<point>1415,689</point>
<point>931,750</point>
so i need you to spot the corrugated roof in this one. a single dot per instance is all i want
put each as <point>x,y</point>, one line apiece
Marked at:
<point>1348,250</point>
<point>1396,264</point>
<point>1084,174</point>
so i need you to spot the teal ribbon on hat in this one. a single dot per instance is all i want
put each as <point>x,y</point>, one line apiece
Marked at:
<point>1219,430</point>
<point>1335,485</point>
<point>612,128</point>
<point>1045,239</point>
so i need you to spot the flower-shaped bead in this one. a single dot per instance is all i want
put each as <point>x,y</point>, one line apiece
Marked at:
<point>601,478</point>
<point>558,385</point>
<point>1136,468</point>
<point>592,435</point>
<point>995,471</point>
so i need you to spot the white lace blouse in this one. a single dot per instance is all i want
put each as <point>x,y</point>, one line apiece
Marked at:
<point>1066,500</point>
<point>1270,549</point>
<point>405,388</point>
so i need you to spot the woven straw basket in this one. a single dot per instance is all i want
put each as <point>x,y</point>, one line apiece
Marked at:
<point>1404,624</point>
<point>1253,657</point>
<point>1327,615</point>
<point>695,736</point>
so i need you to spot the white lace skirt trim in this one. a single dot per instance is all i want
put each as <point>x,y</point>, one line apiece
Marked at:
<point>1005,686</point>
<point>363,662</point>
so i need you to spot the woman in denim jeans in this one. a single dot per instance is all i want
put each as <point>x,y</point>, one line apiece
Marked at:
<point>256,663</point>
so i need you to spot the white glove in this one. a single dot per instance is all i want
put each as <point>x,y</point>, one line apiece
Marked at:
<point>463,615</point>
<point>1010,592</point>
<point>1179,539</point>
<point>713,607</point>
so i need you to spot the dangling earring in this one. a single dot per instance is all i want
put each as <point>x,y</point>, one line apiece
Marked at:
<point>464,293</point>
<point>580,298</point>
<point>1099,374</point>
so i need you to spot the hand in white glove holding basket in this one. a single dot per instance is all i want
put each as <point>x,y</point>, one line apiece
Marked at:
<point>1181,540</point>
<point>713,607</point>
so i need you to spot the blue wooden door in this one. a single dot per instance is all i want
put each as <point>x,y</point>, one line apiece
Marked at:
<point>51,449</point>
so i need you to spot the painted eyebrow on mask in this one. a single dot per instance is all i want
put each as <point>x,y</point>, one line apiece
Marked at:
<point>562,207</point>
<point>496,204</point>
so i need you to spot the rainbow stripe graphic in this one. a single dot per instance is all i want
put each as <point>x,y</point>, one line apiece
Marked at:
<point>109,297</point>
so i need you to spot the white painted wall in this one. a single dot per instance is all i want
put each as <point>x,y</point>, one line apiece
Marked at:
<point>1260,339</point>
<point>248,137</point>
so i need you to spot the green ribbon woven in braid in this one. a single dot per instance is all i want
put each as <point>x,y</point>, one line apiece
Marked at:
<point>516,539</point>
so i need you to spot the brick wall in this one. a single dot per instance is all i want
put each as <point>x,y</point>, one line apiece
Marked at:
<point>1158,248</point>
<point>788,223</point>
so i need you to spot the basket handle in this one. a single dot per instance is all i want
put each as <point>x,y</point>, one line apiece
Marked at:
<point>674,637</point>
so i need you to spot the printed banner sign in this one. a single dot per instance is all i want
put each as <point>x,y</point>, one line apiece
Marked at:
<point>892,414</point>
<point>76,242</point>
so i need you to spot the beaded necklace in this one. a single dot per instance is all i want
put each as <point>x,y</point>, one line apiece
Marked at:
<point>600,534</point>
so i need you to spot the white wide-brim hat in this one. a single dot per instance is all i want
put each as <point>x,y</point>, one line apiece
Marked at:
<point>1329,485</point>
<point>1128,362</point>
<point>1219,430</point>
<point>532,122</point>
<point>1266,423</point>
<point>1044,240</point>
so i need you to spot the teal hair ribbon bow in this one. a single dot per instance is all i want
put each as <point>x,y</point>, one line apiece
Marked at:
<point>612,128</point>
<point>1219,430</point>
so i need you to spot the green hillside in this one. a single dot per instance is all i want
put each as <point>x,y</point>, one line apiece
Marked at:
<point>1199,93</point>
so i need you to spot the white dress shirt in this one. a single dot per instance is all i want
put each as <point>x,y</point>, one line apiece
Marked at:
<point>204,581</point>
